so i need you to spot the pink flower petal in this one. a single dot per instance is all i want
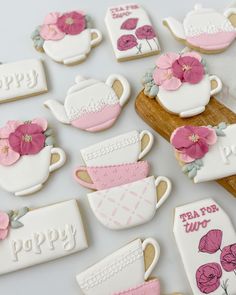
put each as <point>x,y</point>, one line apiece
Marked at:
<point>51,18</point>
<point>197,150</point>
<point>211,242</point>
<point>184,157</point>
<point>7,155</point>
<point>35,146</point>
<point>41,122</point>
<point>165,61</point>
<point>193,54</point>
<point>180,137</point>
<point>129,24</point>
<point>9,128</point>
<point>3,234</point>
<point>160,75</point>
<point>4,220</point>
<point>51,32</point>
<point>195,75</point>
<point>171,84</point>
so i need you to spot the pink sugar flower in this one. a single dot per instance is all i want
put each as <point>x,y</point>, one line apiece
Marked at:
<point>4,225</point>
<point>72,23</point>
<point>7,155</point>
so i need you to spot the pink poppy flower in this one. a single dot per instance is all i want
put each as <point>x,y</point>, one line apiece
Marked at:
<point>188,69</point>
<point>126,42</point>
<point>28,139</point>
<point>7,155</point>
<point>51,32</point>
<point>228,258</point>
<point>129,24</point>
<point>208,277</point>
<point>145,32</point>
<point>9,128</point>
<point>193,141</point>
<point>211,242</point>
<point>72,23</point>
<point>4,225</point>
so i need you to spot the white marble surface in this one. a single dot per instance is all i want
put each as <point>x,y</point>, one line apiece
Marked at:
<point>17,20</point>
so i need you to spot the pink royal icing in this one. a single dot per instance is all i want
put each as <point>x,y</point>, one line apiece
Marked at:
<point>148,288</point>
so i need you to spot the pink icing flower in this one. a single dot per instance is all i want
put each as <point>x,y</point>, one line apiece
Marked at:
<point>51,32</point>
<point>28,139</point>
<point>193,141</point>
<point>228,258</point>
<point>4,225</point>
<point>163,74</point>
<point>7,155</point>
<point>208,277</point>
<point>72,23</point>
<point>126,42</point>
<point>211,242</point>
<point>9,128</point>
<point>145,32</point>
<point>51,18</point>
<point>42,122</point>
<point>129,24</point>
<point>188,69</point>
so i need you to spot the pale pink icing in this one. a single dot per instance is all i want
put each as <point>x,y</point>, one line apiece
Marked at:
<point>95,121</point>
<point>110,176</point>
<point>215,41</point>
<point>148,288</point>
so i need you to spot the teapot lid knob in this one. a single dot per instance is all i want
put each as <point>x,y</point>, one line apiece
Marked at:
<point>198,6</point>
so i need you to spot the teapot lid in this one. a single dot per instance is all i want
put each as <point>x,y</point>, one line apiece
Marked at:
<point>199,9</point>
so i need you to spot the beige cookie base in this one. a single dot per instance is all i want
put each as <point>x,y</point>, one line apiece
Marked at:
<point>23,96</point>
<point>199,49</point>
<point>94,36</point>
<point>165,123</point>
<point>138,56</point>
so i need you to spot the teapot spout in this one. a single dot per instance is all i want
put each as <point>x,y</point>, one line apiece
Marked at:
<point>58,110</point>
<point>175,27</point>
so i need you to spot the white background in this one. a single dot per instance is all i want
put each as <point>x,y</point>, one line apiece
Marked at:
<point>17,20</point>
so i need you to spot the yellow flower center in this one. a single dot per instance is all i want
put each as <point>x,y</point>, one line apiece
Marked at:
<point>194,137</point>
<point>69,21</point>
<point>186,68</point>
<point>27,138</point>
<point>4,149</point>
<point>168,75</point>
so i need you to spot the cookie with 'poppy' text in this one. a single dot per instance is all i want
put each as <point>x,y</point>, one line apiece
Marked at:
<point>27,156</point>
<point>66,38</point>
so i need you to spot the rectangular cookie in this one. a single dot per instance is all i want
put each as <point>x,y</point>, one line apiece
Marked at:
<point>21,79</point>
<point>41,235</point>
<point>131,32</point>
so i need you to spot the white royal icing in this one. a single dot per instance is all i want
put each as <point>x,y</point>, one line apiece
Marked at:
<point>21,79</point>
<point>48,233</point>
<point>192,222</point>
<point>114,19</point>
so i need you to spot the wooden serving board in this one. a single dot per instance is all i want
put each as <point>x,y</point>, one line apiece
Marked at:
<point>165,123</point>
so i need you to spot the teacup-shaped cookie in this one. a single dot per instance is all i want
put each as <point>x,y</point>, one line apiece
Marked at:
<point>181,84</point>
<point>125,148</point>
<point>66,37</point>
<point>92,105</point>
<point>131,204</point>
<point>110,274</point>
<point>104,177</point>
<point>27,156</point>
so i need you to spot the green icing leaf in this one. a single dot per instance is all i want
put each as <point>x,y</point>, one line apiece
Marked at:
<point>50,140</point>
<point>185,168</point>
<point>16,224</point>
<point>21,212</point>
<point>154,91</point>
<point>222,125</point>
<point>192,173</point>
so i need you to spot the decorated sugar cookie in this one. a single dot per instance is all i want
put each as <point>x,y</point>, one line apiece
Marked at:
<point>131,32</point>
<point>205,29</point>
<point>66,37</point>
<point>30,237</point>
<point>181,83</point>
<point>129,205</point>
<point>92,105</point>
<point>206,240</point>
<point>109,276</point>
<point>22,79</point>
<point>27,156</point>
<point>206,153</point>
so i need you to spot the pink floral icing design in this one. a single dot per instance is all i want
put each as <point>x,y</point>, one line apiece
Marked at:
<point>208,277</point>
<point>4,225</point>
<point>129,24</point>
<point>126,42</point>
<point>7,155</point>
<point>51,32</point>
<point>192,142</point>
<point>145,32</point>
<point>228,258</point>
<point>173,69</point>
<point>211,242</point>
<point>72,23</point>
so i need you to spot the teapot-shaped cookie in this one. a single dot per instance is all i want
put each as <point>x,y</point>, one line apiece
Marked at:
<point>92,105</point>
<point>205,29</point>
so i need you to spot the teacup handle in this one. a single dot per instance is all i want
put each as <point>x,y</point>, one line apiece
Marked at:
<point>61,162</point>
<point>98,39</point>
<point>156,246</point>
<point>81,181</point>
<point>149,145</point>
<point>125,84</point>
<point>229,12</point>
<point>162,200</point>
<point>219,84</point>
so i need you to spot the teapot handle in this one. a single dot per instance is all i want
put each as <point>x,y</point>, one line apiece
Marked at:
<point>60,162</point>
<point>219,84</point>
<point>98,39</point>
<point>125,84</point>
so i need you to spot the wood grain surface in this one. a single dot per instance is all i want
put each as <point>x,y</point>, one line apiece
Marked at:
<point>165,123</point>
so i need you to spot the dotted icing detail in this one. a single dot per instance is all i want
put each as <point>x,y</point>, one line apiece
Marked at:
<point>109,271</point>
<point>210,28</point>
<point>112,147</point>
